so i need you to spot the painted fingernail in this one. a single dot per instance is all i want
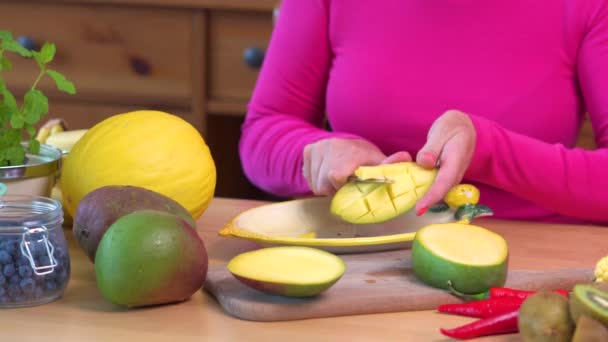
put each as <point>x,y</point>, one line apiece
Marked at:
<point>421,211</point>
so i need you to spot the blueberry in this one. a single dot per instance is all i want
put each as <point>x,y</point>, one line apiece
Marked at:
<point>2,279</point>
<point>25,271</point>
<point>5,257</point>
<point>22,260</point>
<point>40,279</point>
<point>2,291</point>
<point>40,251</point>
<point>60,253</point>
<point>14,279</point>
<point>38,292</point>
<point>14,290</point>
<point>8,270</point>
<point>43,261</point>
<point>12,247</point>
<point>4,299</point>
<point>50,285</point>
<point>62,276</point>
<point>27,285</point>
<point>19,299</point>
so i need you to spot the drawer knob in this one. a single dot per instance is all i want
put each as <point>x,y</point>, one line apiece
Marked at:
<point>27,42</point>
<point>140,66</point>
<point>253,57</point>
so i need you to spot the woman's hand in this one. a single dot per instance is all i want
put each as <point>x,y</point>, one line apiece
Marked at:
<point>450,145</point>
<point>329,162</point>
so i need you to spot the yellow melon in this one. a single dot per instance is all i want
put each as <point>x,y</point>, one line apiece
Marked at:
<point>151,149</point>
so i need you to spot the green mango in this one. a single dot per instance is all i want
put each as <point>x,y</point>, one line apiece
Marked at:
<point>150,257</point>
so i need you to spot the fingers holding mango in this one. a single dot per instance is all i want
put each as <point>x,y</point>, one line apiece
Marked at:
<point>327,163</point>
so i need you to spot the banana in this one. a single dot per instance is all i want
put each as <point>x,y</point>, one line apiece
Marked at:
<point>57,128</point>
<point>43,134</point>
<point>65,140</point>
<point>49,128</point>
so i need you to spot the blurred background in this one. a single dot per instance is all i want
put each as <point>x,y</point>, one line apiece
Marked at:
<point>198,59</point>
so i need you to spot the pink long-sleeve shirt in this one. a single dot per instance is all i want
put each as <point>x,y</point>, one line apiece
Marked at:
<point>383,70</point>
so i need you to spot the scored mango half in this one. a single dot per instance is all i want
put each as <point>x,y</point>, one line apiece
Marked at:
<point>373,202</point>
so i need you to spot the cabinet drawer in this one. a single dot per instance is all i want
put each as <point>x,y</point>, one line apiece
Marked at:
<point>232,35</point>
<point>110,53</point>
<point>79,115</point>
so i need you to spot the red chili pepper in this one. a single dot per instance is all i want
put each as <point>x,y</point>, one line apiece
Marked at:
<point>498,292</point>
<point>502,292</point>
<point>482,308</point>
<point>503,323</point>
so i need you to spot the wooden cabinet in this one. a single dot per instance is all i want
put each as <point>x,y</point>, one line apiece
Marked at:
<point>129,55</point>
<point>237,42</point>
<point>198,59</point>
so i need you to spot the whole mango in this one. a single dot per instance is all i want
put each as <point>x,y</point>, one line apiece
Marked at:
<point>102,207</point>
<point>150,257</point>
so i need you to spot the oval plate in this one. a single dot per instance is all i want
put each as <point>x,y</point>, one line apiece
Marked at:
<point>308,222</point>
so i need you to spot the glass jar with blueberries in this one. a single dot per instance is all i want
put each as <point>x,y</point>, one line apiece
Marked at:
<point>34,259</point>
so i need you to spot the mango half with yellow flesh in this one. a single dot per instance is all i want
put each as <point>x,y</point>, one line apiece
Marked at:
<point>370,202</point>
<point>458,256</point>
<point>290,271</point>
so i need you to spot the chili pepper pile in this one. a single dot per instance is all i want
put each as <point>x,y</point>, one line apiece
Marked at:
<point>497,310</point>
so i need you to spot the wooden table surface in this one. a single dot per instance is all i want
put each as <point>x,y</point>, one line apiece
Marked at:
<point>83,315</point>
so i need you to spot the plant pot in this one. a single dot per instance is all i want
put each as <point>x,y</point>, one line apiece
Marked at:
<point>37,176</point>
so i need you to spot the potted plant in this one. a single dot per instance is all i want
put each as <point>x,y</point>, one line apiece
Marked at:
<point>26,165</point>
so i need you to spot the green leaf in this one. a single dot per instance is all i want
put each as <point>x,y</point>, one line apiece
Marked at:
<point>47,52</point>
<point>5,64</point>
<point>15,155</point>
<point>439,207</point>
<point>9,99</point>
<point>17,120</point>
<point>62,83</point>
<point>13,137</point>
<point>471,211</point>
<point>5,114</point>
<point>30,129</point>
<point>38,57</point>
<point>13,46</point>
<point>35,105</point>
<point>6,35</point>
<point>34,146</point>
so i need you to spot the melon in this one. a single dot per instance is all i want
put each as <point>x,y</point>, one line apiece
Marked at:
<point>455,256</point>
<point>290,271</point>
<point>365,202</point>
<point>154,150</point>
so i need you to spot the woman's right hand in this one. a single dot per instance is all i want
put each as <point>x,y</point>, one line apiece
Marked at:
<point>329,162</point>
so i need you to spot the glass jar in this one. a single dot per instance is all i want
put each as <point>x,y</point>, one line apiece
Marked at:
<point>34,258</point>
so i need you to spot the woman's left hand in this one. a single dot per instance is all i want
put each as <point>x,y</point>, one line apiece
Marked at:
<point>450,145</point>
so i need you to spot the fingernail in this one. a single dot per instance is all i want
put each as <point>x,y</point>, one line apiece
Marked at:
<point>430,155</point>
<point>421,211</point>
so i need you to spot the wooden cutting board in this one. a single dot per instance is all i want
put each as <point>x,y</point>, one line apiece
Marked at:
<point>373,283</point>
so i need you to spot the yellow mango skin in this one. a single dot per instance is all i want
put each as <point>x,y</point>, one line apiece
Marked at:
<point>364,203</point>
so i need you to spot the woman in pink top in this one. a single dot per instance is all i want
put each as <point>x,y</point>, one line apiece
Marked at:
<point>492,91</point>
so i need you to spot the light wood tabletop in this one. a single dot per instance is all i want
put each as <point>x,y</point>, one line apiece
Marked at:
<point>83,315</point>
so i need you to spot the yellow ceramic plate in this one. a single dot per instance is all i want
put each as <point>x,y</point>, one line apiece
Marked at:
<point>308,222</point>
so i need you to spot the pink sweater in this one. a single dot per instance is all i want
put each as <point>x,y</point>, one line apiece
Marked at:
<point>384,70</point>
